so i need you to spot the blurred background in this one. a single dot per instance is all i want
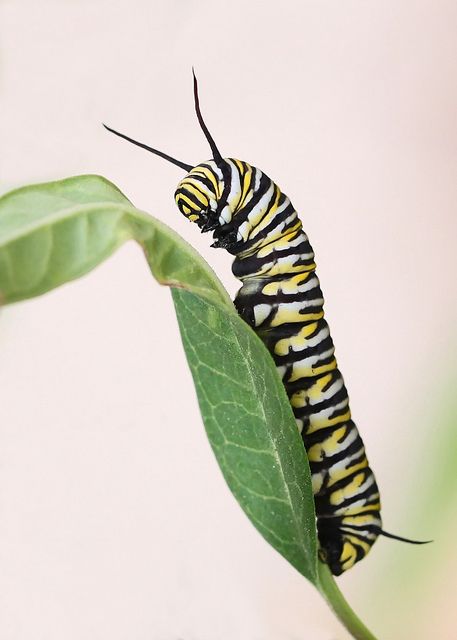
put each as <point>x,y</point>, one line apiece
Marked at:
<point>115,521</point>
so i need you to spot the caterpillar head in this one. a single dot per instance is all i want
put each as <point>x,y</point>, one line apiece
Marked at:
<point>198,196</point>
<point>210,196</point>
<point>204,195</point>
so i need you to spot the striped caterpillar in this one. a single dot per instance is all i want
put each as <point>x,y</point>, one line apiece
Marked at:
<point>281,299</point>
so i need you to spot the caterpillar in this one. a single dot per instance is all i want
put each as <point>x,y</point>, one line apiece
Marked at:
<point>281,299</point>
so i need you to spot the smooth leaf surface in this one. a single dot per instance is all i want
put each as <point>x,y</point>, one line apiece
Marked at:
<point>54,232</point>
<point>251,428</point>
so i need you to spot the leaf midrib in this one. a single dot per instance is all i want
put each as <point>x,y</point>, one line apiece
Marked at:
<point>64,214</point>
<point>297,522</point>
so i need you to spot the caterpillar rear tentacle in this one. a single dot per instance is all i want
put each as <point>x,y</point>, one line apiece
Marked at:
<point>401,539</point>
<point>281,299</point>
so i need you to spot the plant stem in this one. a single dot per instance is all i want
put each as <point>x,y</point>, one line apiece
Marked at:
<point>329,589</point>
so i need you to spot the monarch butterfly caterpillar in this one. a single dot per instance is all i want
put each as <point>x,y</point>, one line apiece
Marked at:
<point>281,299</point>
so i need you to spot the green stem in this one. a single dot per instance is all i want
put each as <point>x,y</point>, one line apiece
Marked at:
<point>329,589</point>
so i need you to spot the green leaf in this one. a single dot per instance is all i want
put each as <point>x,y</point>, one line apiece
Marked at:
<point>251,428</point>
<point>55,232</point>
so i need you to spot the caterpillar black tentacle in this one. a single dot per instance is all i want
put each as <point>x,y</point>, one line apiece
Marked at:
<point>165,156</point>
<point>401,539</point>
<point>281,299</point>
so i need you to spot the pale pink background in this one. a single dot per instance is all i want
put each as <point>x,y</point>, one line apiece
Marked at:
<point>115,521</point>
